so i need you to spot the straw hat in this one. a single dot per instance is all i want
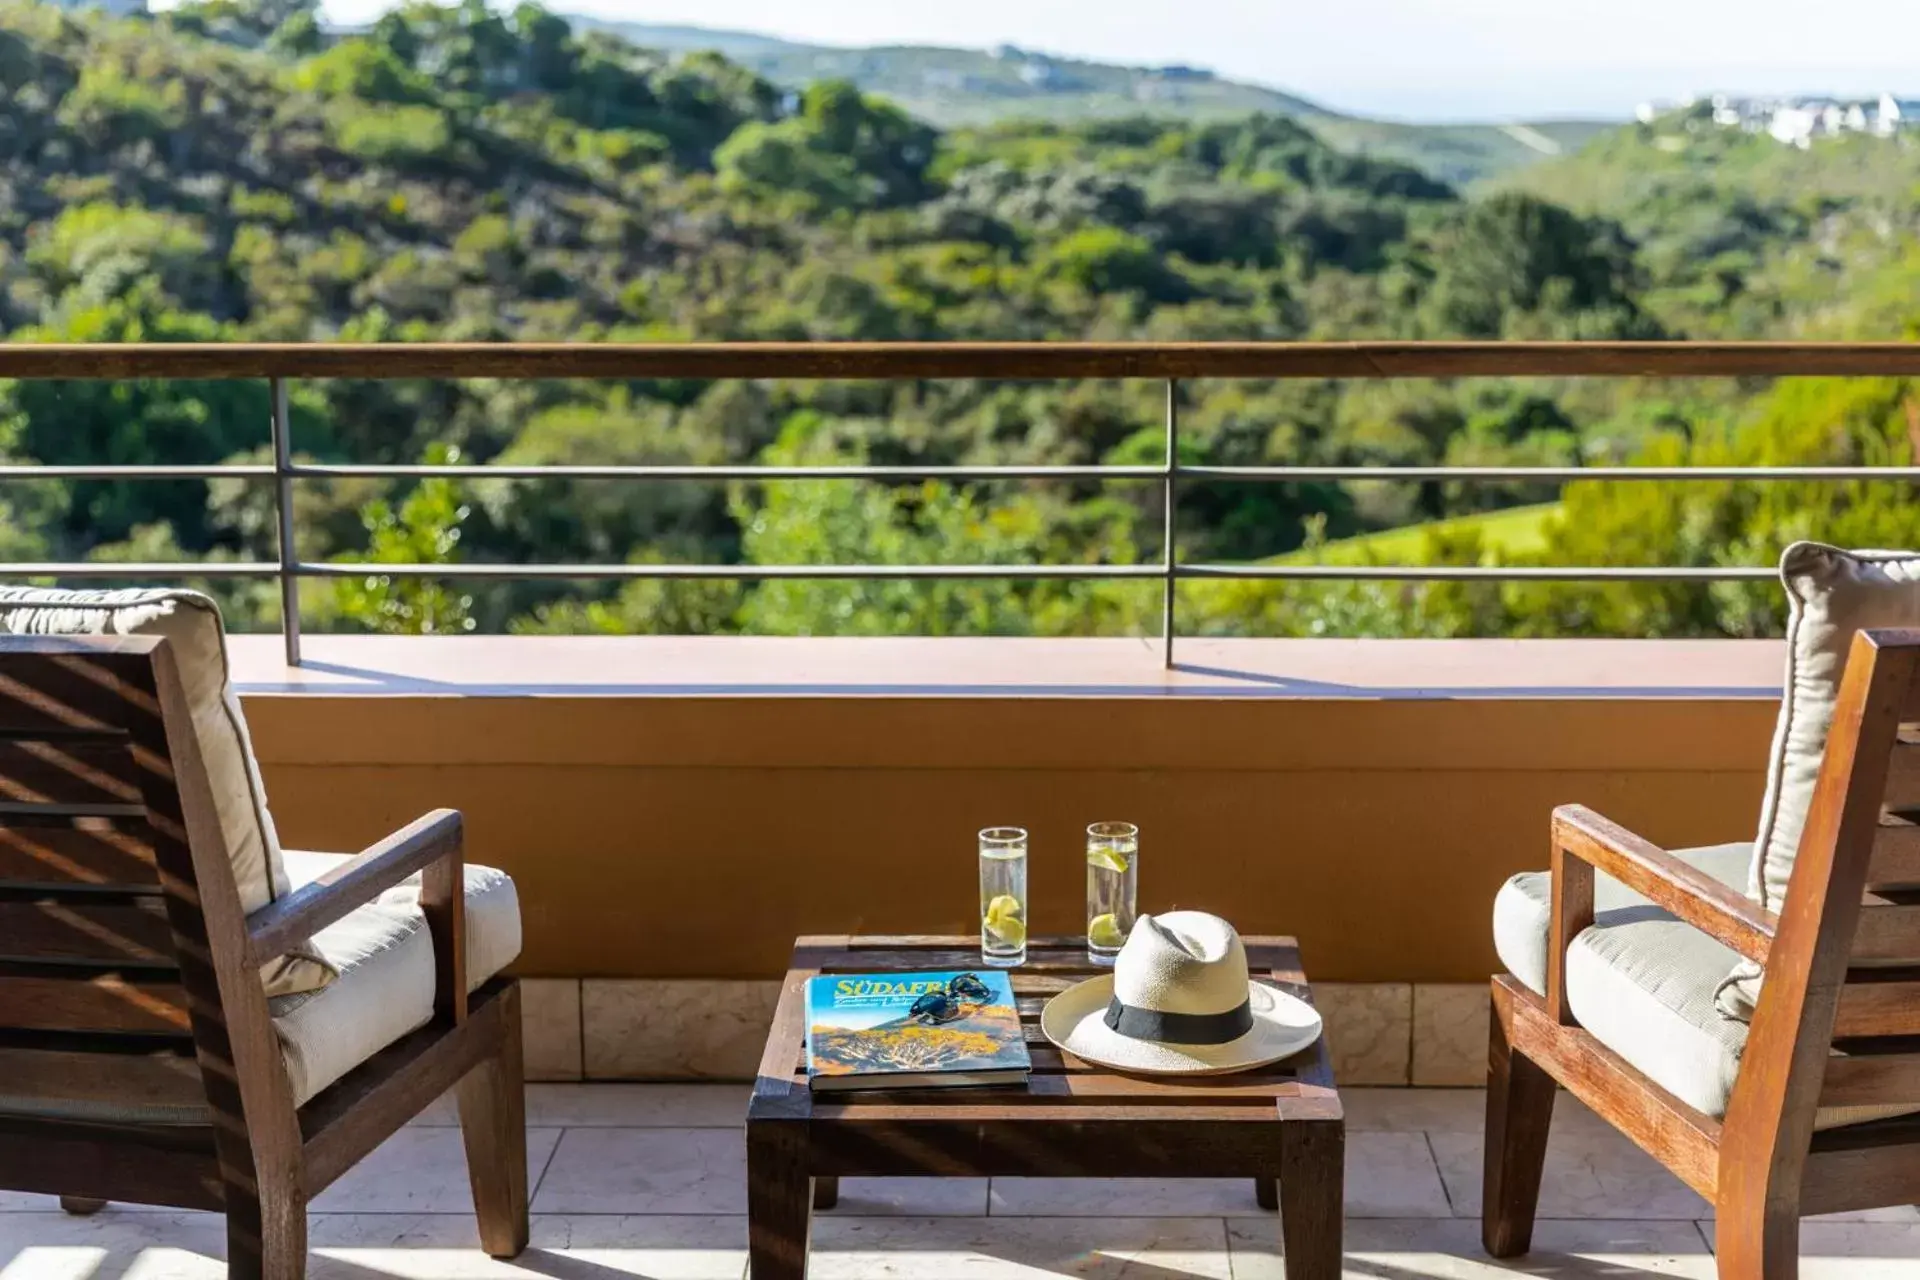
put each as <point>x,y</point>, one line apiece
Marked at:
<point>1179,1002</point>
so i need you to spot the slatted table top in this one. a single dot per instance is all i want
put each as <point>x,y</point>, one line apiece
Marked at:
<point>1061,1087</point>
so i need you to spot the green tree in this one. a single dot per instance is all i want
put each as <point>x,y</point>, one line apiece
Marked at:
<point>424,529</point>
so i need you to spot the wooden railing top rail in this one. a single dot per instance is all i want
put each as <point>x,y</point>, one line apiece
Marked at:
<point>881,360</point>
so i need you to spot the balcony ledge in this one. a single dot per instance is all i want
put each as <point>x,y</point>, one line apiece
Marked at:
<point>738,666</point>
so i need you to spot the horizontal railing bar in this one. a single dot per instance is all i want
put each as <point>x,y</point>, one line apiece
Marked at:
<point>736,572</point>
<point>642,472</point>
<point>1482,573</point>
<point>1275,474</point>
<point>64,471</point>
<point>893,360</point>
<point>1548,474</point>
<point>989,572</point>
<point>139,569</point>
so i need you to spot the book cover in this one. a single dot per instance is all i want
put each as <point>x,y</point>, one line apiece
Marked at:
<point>913,1030</point>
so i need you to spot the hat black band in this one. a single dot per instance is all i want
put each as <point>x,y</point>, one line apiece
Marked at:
<point>1179,1028</point>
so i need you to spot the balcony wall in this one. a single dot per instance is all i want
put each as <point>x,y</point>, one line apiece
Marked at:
<point>683,808</point>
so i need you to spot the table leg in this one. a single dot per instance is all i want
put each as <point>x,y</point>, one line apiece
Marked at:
<point>1312,1197</point>
<point>1266,1192</point>
<point>826,1192</point>
<point>779,1201</point>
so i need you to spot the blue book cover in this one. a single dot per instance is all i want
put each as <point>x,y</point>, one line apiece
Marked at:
<point>913,1030</point>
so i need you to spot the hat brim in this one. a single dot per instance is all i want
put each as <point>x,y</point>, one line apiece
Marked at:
<point>1074,1020</point>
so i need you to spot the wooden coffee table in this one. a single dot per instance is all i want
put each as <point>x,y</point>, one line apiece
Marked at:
<point>1280,1127</point>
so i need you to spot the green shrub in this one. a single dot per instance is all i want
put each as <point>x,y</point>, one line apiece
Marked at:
<point>389,134</point>
<point>360,69</point>
<point>109,107</point>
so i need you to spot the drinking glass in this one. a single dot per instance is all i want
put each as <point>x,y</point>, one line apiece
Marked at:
<point>1113,879</point>
<point>1003,897</point>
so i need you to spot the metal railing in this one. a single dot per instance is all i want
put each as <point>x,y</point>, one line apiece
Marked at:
<point>1170,363</point>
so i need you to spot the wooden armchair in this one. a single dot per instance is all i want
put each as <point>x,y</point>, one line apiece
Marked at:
<point>140,1056</point>
<point>1834,1040</point>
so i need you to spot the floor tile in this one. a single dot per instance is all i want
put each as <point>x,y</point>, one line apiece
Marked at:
<point>1449,1110</point>
<point>1859,1251</point>
<point>614,1105</point>
<point>140,1246</point>
<point>1121,1197</point>
<point>1411,1110</point>
<point>912,1197</point>
<point>1589,1174</point>
<point>985,1249</point>
<point>1428,1249</point>
<point>646,1171</point>
<point>420,1170</point>
<point>1389,1175</point>
<point>27,1202</point>
<point>564,1247</point>
<point>676,1106</point>
<point>156,1246</point>
<point>1897,1213</point>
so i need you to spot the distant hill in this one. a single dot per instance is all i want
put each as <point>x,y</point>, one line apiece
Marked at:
<point>961,87</point>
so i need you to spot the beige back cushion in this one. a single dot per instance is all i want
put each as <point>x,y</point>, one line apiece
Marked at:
<point>1831,594</point>
<point>191,624</point>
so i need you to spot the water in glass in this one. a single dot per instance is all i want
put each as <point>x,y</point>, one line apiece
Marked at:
<point>1003,896</point>
<point>1113,878</point>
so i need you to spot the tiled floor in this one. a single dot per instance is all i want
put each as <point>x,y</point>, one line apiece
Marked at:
<point>648,1180</point>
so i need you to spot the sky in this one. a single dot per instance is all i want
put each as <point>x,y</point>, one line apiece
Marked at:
<point>1413,59</point>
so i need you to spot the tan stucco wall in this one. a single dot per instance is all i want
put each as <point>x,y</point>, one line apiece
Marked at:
<point>670,815</point>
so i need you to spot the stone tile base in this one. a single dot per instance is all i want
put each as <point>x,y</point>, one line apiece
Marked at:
<point>1450,1034</point>
<point>659,1029</point>
<point>550,1027</point>
<point>1369,1030</point>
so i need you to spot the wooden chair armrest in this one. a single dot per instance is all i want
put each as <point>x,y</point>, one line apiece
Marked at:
<point>1724,914</point>
<point>430,843</point>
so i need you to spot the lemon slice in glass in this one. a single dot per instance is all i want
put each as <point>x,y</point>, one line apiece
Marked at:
<point>1104,931</point>
<point>1003,921</point>
<point>1109,859</point>
<point>1011,930</point>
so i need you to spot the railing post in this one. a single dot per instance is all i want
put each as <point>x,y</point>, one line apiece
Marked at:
<point>1169,501</point>
<point>283,512</point>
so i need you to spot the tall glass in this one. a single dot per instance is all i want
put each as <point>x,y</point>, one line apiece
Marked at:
<point>1113,879</point>
<point>1003,897</point>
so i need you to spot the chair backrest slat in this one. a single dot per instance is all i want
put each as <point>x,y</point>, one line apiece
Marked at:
<point>1878,1002</point>
<point>1888,933</point>
<point>94,1016</point>
<point>88,767</point>
<point>1903,771</point>
<point>74,928</point>
<point>1871,1080</point>
<point>1896,852</point>
<point>63,855</point>
<point>94,1084</point>
<point>83,999</point>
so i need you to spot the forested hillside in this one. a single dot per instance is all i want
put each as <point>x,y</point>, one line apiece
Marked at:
<point>960,87</point>
<point>229,172</point>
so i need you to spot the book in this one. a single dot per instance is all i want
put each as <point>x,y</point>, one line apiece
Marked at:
<point>913,1031</point>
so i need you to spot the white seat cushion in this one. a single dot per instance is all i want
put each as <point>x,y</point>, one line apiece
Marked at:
<point>1642,982</point>
<point>190,622</point>
<point>385,960</point>
<point>1524,906</point>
